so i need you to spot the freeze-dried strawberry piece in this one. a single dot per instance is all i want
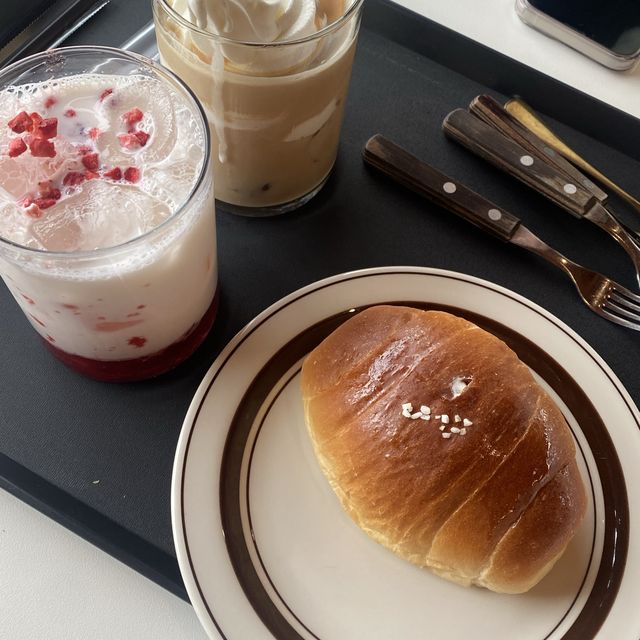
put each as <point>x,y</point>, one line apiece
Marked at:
<point>46,128</point>
<point>73,178</point>
<point>44,203</point>
<point>49,102</point>
<point>142,136</point>
<point>94,132</point>
<point>70,113</point>
<point>91,161</point>
<point>47,190</point>
<point>34,211</point>
<point>17,147</point>
<point>128,140</point>
<point>105,94</point>
<point>42,148</point>
<point>132,174</point>
<point>91,175</point>
<point>21,123</point>
<point>83,149</point>
<point>133,140</point>
<point>36,119</point>
<point>113,174</point>
<point>133,116</point>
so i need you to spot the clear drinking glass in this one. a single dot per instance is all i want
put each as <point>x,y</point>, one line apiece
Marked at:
<point>275,110</point>
<point>137,308</point>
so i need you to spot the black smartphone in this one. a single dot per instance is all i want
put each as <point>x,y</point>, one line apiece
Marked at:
<point>607,31</point>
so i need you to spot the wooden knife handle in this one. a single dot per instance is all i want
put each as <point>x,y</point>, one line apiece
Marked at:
<point>495,115</point>
<point>451,194</point>
<point>509,156</point>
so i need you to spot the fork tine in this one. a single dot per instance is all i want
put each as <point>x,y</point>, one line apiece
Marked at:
<point>627,313</point>
<point>616,295</point>
<point>634,297</point>
<point>605,313</point>
<point>617,304</point>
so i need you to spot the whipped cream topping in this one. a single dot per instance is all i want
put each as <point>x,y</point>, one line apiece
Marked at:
<point>268,22</point>
<point>257,21</point>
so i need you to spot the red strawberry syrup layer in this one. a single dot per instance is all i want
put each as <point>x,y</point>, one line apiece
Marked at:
<point>149,366</point>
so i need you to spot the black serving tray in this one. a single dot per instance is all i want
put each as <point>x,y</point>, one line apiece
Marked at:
<point>60,432</point>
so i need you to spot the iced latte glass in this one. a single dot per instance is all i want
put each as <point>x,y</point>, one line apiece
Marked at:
<point>273,77</point>
<point>107,225</point>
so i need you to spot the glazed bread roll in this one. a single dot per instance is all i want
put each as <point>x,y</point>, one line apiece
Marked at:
<point>440,444</point>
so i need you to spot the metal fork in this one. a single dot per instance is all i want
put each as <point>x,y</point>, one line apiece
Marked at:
<point>601,294</point>
<point>605,296</point>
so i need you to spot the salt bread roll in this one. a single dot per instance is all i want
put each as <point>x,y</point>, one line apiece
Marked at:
<point>486,491</point>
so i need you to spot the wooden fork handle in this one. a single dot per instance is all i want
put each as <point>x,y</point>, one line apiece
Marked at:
<point>509,156</point>
<point>411,172</point>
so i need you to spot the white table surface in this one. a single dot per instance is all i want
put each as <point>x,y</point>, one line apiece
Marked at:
<point>56,586</point>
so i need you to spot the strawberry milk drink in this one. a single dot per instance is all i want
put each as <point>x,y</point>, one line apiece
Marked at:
<point>107,225</point>
<point>272,76</point>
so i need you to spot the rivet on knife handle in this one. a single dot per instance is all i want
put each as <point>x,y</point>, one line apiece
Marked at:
<point>491,145</point>
<point>418,176</point>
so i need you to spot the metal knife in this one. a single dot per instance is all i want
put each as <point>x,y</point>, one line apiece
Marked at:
<point>506,154</point>
<point>495,115</point>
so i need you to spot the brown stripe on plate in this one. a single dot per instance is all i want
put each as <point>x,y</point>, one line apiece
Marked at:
<point>616,534</point>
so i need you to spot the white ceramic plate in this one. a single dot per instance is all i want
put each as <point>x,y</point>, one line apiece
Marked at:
<point>265,549</point>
